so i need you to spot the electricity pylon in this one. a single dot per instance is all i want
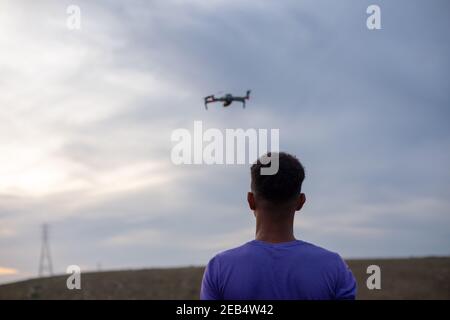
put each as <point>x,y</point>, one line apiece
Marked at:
<point>45,261</point>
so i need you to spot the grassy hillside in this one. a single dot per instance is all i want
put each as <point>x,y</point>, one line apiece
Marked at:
<point>418,278</point>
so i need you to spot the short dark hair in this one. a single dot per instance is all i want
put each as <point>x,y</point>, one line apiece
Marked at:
<point>282,186</point>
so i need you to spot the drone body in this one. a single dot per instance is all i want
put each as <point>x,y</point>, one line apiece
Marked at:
<point>227,99</point>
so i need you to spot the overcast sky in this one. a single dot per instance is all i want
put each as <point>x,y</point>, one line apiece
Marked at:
<point>86,118</point>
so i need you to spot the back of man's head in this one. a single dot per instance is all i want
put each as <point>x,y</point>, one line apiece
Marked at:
<point>281,187</point>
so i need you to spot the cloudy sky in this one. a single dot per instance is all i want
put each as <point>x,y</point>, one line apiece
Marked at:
<point>86,118</point>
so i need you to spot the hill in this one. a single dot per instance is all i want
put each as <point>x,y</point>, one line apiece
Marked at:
<point>414,278</point>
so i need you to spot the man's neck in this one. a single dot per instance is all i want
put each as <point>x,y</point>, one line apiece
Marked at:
<point>271,238</point>
<point>274,230</point>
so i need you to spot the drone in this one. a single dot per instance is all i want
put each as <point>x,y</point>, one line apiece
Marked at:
<point>227,99</point>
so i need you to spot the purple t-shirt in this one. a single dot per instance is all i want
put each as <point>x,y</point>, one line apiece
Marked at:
<point>289,270</point>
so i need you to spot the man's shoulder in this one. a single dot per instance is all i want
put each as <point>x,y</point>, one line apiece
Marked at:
<point>325,257</point>
<point>320,251</point>
<point>302,247</point>
<point>236,251</point>
<point>232,255</point>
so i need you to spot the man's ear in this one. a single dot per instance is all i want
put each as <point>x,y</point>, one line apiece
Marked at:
<point>251,200</point>
<point>300,201</point>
